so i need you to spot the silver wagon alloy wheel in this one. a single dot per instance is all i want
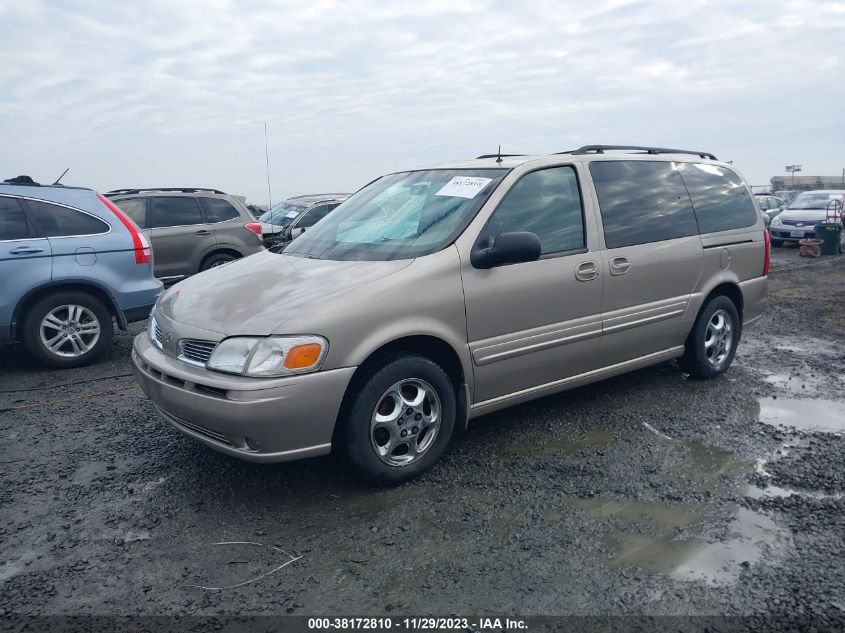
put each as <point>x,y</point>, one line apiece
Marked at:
<point>405,422</point>
<point>719,338</point>
<point>70,330</point>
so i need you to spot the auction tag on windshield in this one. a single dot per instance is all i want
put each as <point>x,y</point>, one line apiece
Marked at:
<point>292,214</point>
<point>463,186</point>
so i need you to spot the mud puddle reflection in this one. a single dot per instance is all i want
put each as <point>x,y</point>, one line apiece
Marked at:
<point>753,536</point>
<point>691,541</point>
<point>827,416</point>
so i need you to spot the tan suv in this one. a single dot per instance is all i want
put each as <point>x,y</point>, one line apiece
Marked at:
<point>434,296</point>
<point>191,229</point>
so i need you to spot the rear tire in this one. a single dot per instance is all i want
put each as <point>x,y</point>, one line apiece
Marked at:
<point>67,329</point>
<point>216,259</point>
<point>403,394</point>
<point>712,343</point>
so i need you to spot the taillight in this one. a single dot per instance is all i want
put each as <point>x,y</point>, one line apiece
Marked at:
<point>143,250</point>
<point>253,227</point>
<point>768,257</point>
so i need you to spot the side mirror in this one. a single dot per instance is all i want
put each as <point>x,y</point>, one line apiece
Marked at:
<point>509,248</point>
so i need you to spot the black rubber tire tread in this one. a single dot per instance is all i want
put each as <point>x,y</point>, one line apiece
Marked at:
<point>353,441</point>
<point>694,360</point>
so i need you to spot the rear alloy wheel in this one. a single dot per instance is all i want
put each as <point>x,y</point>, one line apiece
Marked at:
<point>711,345</point>
<point>401,420</point>
<point>68,329</point>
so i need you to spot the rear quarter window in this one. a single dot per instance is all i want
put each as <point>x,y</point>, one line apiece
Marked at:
<point>58,221</point>
<point>135,208</point>
<point>13,224</point>
<point>218,210</point>
<point>719,197</point>
<point>642,202</point>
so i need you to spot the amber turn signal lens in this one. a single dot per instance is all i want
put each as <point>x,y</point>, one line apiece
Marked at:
<point>302,356</point>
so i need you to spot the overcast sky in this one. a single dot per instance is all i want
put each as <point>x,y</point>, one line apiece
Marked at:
<point>167,93</point>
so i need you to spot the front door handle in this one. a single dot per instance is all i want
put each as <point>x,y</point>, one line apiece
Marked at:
<point>25,250</point>
<point>203,232</point>
<point>586,271</point>
<point>619,265</point>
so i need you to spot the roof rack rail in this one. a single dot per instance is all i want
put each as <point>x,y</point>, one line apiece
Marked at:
<point>600,149</point>
<point>115,192</point>
<point>318,195</point>
<point>497,156</point>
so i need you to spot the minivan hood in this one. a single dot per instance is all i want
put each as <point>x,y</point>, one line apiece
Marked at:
<point>254,295</point>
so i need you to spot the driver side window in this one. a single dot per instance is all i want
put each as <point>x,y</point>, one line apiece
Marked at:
<point>546,202</point>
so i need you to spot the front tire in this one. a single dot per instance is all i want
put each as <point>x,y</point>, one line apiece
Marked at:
<point>711,346</point>
<point>400,421</point>
<point>68,329</point>
<point>777,243</point>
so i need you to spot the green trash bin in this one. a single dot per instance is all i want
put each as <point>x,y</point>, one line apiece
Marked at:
<point>829,233</point>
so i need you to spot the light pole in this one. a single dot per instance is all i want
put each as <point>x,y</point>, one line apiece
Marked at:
<point>793,169</point>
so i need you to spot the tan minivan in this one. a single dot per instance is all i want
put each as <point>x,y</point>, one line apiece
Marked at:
<point>431,297</point>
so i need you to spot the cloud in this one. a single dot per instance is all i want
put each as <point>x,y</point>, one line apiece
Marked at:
<point>163,93</point>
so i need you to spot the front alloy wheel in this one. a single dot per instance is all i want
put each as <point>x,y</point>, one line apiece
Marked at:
<point>405,422</point>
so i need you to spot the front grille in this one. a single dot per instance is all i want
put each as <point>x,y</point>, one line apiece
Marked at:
<point>196,351</point>
<point>797,222</point>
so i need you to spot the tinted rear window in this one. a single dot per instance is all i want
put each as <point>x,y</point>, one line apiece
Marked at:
<point>719,197</point>
<point>642,202</point>
<point>13,224</point>
<point>58,221</point>
<point>175,211</point>
<point>219,210</point>
<point>135,208</point>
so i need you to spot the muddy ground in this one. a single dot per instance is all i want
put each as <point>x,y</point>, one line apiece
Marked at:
<point>645,494</point>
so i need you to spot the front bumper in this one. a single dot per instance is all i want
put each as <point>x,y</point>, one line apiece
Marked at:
<point>790,233</point>
<point>256,419</point>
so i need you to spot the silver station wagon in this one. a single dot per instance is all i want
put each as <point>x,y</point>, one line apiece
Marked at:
<point>433,296</point>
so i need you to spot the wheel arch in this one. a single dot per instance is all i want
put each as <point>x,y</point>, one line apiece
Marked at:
<point>428,346</point>
<point>219,250</point>
<point>77,285</point>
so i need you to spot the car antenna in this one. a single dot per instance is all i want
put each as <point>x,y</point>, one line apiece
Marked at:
<point>62,176</point>
<point>499,155</point>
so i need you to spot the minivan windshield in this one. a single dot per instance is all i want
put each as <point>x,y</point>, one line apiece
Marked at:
<point>816,200</point>
<point>400,216</point>
<point>281,214</point>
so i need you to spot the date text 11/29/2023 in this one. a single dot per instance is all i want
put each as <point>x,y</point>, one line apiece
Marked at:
<point>417,624</point>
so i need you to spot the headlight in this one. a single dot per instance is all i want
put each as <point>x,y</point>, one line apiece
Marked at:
<point>153,330</point>
<point>776,220</point>
<point>269,356</point>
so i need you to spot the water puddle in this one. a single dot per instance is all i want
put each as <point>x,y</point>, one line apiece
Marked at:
<point>800,383</point>
<point>753,535</point>
<point>654,513</point>
<point>804,414</point>
<point>776,492</point>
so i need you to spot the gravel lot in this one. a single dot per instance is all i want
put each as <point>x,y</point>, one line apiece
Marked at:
<point>644,494</point>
